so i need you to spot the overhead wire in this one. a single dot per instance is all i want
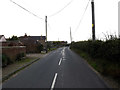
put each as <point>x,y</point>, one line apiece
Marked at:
<point>26,9</point>
<point>82,17</point>
<point>56,12</point>
<point>61,9</point>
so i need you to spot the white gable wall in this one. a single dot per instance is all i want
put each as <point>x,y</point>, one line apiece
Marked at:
<point>2,39</point>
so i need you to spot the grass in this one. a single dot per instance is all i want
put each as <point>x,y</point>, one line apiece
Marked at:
<point>26,60</point>
<point>88,58</point>
<point>51,49</point>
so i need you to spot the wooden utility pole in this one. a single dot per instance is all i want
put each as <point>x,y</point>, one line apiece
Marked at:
<point>93,20</point>
<point>119,19</point>
<point>70,35</point>
<point>46,26</point>
<point>46,32</point>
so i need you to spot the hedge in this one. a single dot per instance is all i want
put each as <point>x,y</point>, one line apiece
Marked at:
<point>104,54</point>
<point>108,50</point>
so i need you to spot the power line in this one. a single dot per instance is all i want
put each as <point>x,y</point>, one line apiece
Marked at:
<point>61,9</point>
<point>82,17</point>
<point>26,10</point>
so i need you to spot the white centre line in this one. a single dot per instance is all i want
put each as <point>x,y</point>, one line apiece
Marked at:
<point>54,80</point>
<point>60,61</point>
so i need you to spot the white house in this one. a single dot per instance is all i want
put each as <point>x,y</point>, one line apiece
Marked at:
<point>2,38</point>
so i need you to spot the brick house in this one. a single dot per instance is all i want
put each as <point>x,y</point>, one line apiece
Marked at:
<point>32,43</point>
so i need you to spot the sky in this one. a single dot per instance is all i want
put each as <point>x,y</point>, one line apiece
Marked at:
<point>62,14</point>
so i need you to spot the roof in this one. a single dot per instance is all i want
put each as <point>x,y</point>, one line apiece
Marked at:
<point>38,37</point>
<point>1,36</point>
<point>35,38</point>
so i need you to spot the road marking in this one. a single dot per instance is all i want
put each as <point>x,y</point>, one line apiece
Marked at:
<point>60,61</point>
<point>63,53</point>
<point>54,80</point>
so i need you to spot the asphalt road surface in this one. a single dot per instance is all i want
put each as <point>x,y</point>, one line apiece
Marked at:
<point>61,68</point>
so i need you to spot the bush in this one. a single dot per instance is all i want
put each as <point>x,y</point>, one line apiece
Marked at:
<point>39,47</point>
<point>20,56</point>
<point>5,60</point>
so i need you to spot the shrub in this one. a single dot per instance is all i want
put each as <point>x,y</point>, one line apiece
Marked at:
<point>5,60</point>
<point>39,47</point>
<point>19,56</point>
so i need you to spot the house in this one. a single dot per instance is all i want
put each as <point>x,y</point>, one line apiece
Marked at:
<point>2,38</point>
<point>33,43</point>
<point>11,50</point>
<point>12,43</point>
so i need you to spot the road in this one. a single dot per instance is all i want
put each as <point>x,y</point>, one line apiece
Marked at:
<point>61,68</point>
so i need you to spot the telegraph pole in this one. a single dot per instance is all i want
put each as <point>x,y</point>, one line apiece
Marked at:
<point>46,31</point>
<point>46,26</point>
<point>93,20</point>
<point>70,35</point>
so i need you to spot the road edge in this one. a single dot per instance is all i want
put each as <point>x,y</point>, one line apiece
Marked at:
<point>17,70</point>
<point>96,72</point>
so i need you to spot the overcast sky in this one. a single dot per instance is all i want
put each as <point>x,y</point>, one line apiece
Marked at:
<point>16,21</point>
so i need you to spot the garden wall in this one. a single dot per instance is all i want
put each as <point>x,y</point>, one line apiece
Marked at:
<point>13,51</point>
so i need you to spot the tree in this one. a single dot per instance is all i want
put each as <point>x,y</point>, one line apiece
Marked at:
<point>13,38</point>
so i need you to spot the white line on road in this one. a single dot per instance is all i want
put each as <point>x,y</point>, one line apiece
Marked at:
<point>54,80</point>
<point>60,61</point>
